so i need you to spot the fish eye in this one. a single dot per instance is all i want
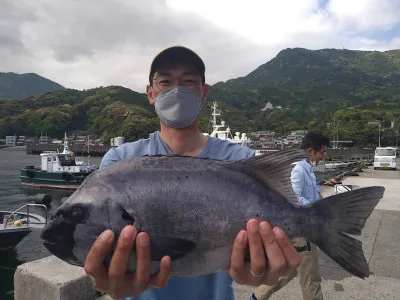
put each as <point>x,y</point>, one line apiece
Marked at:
<point>78,214</point>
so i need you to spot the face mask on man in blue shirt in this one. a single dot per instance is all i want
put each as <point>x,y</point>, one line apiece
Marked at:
<point>178,107</point>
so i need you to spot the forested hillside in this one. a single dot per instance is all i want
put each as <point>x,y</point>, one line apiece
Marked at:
<point>333,91</point>
<point>317,89</point>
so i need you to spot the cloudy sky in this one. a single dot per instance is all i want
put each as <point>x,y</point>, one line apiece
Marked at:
<point>89,43</point>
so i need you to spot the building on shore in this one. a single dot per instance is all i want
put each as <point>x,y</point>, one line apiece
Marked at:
<point>295,137</point>
<point>11,140</point>
<point>265,140</point>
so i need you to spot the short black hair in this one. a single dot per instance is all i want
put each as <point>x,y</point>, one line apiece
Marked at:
<point>315,141</point>
<point>177,55</point>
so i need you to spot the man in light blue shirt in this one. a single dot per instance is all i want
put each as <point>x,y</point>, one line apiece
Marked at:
<point>304,183</point>
<point>177,90</point>
<point>307,191</point>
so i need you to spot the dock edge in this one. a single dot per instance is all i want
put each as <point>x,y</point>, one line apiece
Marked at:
<point>50,278</point>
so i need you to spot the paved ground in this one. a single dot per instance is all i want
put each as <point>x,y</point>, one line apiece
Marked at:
<point>381,244</point>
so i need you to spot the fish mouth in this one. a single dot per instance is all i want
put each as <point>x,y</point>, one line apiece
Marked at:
<point>58,238</point>
<point>62,252</point>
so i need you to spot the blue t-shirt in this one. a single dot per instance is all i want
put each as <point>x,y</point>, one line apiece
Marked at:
<point>217,286</point>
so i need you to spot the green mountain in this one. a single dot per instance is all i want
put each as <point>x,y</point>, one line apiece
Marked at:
<point>103,112</point>
<point>338,92</point>
<point>316,88</point>
<point>16,86</point>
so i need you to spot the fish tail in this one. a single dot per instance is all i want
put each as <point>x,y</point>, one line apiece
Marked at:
<point>344,214</point>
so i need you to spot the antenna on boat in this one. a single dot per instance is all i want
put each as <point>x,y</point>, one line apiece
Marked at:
<point>88,144</point>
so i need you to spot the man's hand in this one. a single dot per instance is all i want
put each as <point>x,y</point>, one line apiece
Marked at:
<point>114,281</point>
<point>263,241</point>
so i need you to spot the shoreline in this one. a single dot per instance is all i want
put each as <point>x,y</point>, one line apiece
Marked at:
<point>13,148</point>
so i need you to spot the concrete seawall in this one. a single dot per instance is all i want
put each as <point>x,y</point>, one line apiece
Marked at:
<point>51,278</point>
<point>79,150</point>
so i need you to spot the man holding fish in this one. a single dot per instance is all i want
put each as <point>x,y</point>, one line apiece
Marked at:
<point>180,215</point>
<point>177,89</point>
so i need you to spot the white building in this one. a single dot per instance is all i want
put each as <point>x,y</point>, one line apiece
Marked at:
<point>11,140</point>
<point>268,106</point>
<point>44,140</point>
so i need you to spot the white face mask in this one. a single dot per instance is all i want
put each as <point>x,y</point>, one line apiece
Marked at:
<point>178,107</point>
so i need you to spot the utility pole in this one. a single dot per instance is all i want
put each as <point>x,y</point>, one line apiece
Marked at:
<point>379,125</point>
<point>337,134</point>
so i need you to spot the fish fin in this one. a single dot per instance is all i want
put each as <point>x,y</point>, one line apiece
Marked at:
<point>274,170</point>
<point>343,214</point>
<point>175,248</point>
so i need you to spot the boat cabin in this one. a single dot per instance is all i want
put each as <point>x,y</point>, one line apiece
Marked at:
<point>59,162</point>
<point>65,161</point>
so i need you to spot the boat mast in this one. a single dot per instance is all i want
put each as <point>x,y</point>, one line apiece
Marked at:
<point>215,113</point>
<point>88,144</point>
<point>66,148</point>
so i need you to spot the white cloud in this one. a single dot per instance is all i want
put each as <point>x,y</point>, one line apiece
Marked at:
<point>365,14</point>
<point>262,22</point>
<point>83,44</point>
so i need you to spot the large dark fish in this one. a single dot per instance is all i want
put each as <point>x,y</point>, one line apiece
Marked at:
<point>192,209</point>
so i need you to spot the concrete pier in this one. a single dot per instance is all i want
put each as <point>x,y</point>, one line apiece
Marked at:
<point>51,278</point>
<point>79,150</point>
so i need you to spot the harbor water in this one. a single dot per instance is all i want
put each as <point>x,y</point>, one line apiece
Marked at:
<point>13,196</point>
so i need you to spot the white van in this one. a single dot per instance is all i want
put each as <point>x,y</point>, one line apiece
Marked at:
<point>385,157</point>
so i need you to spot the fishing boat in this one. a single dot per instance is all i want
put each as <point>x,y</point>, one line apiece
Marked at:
<point>16,225</point>
<point>58,170</point>
<point>220,132</point>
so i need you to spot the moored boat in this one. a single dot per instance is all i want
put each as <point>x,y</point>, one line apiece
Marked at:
<point>219,132</point>
<point>57,171</point>
<point>15,225</point>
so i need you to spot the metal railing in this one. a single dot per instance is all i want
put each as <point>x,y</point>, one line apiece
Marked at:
<point>27,213</point>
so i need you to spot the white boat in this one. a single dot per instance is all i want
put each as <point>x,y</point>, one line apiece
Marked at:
<point>220,132</point>
<point>15,225</point>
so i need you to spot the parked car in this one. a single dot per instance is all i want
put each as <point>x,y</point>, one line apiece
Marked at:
<point>385,158</point>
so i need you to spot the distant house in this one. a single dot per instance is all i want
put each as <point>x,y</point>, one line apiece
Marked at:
<point>57,142</point>
<point>295,137</point>
<point>263,133</point>
<point>30,140</point>
<point>21,140</point>
<point>81,140</point>
<point>11,140</point>
<point>266,139</point>
<point>44,140</point>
